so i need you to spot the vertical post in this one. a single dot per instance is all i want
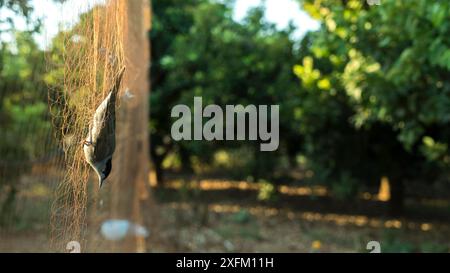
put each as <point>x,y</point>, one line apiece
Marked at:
<point>133,116</point>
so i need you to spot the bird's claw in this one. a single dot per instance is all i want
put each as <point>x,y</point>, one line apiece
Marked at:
<point>87,143</point>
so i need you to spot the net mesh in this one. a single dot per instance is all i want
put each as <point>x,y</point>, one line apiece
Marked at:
<point>96,39</point>
<point>92,56</point>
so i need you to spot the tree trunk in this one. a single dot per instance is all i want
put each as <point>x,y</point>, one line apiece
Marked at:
<point>185,160</point>
<point>157,163</point>
<point>396,203</point>
<point>159,172</point>
<point>132,194</point>
<point>7,210</point>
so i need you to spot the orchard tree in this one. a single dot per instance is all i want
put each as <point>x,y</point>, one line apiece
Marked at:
<point>23,102</point>
<point>199,50</point>
<point>390,63</point>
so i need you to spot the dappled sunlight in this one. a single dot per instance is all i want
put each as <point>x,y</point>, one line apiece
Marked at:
<point>303,191</point>
<point>212,184</point>
<point>37,190</point>
<point>218,184</point>
<point>309,216</point>
<point>426,227</point>
<point>222,184</point>
<point>152,178</point>
<point>384,193</point>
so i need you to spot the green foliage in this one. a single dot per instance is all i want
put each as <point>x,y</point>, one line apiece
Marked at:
<point>373,99</point>
<point>241,217</point>
<point>392,242</point>
<point>199,50</point>
<point>18,7</point>
<point>23,105</point>
<point>431,247</point>
<point>376,95</point>
<point>345,188</point>
<point>266,191</point>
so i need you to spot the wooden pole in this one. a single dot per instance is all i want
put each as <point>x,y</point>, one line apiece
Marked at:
<point>133,188</point>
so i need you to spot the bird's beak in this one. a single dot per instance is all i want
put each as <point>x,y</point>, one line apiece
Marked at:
<point>100,184</point>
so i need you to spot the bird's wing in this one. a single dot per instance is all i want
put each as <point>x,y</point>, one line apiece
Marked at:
<point>102,132</point>
<point>116,87</point>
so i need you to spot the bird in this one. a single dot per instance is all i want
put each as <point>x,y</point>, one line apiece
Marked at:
<point>100,142</point>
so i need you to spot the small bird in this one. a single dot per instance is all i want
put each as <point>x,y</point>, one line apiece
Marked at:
<point>100,143</point>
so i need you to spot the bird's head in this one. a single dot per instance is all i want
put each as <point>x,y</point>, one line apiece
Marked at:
<point>103,170</point>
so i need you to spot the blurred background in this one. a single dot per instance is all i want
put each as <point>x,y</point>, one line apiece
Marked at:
<point>364,95</point>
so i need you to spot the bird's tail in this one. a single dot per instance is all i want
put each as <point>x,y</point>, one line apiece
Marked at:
<point>116,87</point>
<point>111,104</point>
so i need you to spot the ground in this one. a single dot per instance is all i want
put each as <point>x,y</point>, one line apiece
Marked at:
<point>235,221</point>
<point>227,216</point>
